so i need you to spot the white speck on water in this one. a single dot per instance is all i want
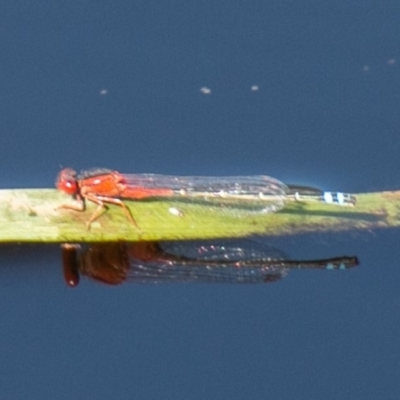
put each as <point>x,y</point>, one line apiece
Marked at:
<point>205,90</point>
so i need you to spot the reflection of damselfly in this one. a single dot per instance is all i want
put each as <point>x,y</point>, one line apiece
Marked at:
<point>228,261</point>
<point>242,195</point>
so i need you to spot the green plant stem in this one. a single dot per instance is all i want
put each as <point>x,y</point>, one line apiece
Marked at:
<point>31,215</point>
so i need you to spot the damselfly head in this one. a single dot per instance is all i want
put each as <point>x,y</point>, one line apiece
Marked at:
<point>67,181</point>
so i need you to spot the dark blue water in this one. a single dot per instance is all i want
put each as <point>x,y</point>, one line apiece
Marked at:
<point>118,84</point>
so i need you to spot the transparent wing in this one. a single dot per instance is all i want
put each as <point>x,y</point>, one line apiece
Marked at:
<point>249,194</point>
<point>230,261</point>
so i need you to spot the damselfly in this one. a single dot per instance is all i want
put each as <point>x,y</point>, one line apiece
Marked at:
<point>243,195</point>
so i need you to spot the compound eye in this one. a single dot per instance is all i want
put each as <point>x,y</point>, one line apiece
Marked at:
<point>66,181</point>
